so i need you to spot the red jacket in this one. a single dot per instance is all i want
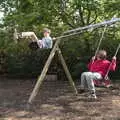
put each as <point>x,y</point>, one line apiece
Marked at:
<point>101,66</point>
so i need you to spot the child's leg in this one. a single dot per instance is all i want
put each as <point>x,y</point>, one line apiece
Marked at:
<point>83,81</point>
<point>89,78</point>
<point>29,34</point>
<point>33,37</point>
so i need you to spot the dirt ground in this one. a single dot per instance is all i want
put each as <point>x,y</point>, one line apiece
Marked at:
<point>56,101</point>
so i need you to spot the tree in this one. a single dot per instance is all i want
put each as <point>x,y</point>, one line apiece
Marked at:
<point>59,16</point>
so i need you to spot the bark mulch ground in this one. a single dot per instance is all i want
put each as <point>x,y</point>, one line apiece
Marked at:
<point>56,101</point>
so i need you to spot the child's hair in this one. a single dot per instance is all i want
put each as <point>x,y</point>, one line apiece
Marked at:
<point>102,54</point>
<point>46,30</point>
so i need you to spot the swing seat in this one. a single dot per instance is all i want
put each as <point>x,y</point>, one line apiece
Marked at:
<point>33,45</point>
<point>102,83</point>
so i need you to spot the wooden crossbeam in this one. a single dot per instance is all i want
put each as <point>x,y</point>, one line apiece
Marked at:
<point>93,26</point>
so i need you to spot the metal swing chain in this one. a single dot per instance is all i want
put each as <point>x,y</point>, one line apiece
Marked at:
<point>100,40</point>
<point>99,43</point>
<point>116,52</point>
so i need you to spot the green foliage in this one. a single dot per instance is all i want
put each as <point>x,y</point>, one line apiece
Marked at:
<point>26,63</point>
<point>59,16</point>
<point>112,7</point>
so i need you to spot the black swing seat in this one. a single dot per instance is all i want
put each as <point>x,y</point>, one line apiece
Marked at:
<point>33,45</point>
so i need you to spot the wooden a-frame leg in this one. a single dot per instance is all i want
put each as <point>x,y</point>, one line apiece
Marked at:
<point>66,70</point>
<point>43,73</point>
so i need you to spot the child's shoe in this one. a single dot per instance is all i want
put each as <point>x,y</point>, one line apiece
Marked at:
<point>92,96</point>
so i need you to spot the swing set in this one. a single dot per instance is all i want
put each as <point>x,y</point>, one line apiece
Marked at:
<point>57,50</point>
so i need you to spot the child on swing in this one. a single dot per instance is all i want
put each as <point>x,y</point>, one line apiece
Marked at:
<point>98,67</point>
<point>46,41</point>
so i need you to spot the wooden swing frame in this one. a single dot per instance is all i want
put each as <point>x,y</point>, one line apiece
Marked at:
<point>57,50</point>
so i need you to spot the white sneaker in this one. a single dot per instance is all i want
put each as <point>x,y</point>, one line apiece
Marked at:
<point>92,96</point>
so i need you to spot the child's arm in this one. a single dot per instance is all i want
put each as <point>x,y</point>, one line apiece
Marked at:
<point>113,64</point>
<point>91,62</point>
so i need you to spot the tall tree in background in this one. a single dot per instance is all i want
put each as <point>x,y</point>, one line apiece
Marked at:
<point>72,13</point>
<point>59,15</point>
